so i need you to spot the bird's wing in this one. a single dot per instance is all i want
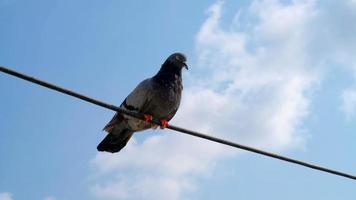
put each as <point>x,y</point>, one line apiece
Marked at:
<point>136,101</point>
<point>140,97</point>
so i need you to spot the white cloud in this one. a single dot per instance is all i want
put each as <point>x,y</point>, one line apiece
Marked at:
<point>349,102</point>
<point>5,196</point>
<point>159,168</point>
<point>332,44</point>
<point>254,90</point>
<point>259,77</point>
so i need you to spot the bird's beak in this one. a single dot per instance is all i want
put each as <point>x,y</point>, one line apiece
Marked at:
<point>185,65</point>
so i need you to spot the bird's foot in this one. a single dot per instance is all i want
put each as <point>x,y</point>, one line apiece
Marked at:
<point>147,118</point>
<point>164,123</point>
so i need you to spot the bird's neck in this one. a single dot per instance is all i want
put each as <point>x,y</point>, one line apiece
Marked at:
<point>168,73</point>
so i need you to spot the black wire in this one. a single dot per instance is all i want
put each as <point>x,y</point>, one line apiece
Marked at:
<point>172,127</point>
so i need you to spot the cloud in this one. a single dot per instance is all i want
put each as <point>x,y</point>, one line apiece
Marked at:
<point>349,102</point>
<point>259,77</point>
<point>251,84</point>
<point>5,196</point>
<point>159,168</point>
<point>336,44</point>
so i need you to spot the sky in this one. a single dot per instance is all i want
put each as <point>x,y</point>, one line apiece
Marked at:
<point>279,75</point>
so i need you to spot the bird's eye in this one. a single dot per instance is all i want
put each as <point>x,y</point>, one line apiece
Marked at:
<point>177,57</point>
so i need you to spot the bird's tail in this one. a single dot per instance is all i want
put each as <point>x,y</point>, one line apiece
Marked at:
<point>115,140</point>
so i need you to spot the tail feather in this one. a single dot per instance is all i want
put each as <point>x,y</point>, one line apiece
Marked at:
<point>115,140</point>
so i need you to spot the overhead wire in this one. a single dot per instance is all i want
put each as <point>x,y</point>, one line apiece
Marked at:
<point>172,127</point>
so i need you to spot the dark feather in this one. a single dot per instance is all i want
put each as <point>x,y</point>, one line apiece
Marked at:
<point>115,142</point>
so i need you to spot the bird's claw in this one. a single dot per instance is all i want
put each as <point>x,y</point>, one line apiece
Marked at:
<point>164,123</point>
<point>147,118</point>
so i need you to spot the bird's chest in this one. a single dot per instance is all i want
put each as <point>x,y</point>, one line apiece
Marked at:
<point>163,103</point>
<point>167,97</point>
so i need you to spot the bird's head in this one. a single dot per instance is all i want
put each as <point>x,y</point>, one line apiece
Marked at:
<point>174,64</point>
<point>177,60</point>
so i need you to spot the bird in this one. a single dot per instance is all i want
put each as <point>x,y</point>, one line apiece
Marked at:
<point>158,96</point>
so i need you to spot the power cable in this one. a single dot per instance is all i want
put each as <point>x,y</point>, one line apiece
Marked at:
<point>172,127</point>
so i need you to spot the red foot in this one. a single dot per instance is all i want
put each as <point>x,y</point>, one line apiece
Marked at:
<point>147,118</point>
<point>164,123</point>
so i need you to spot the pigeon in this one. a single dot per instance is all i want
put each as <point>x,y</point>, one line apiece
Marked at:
<point>158,96</point>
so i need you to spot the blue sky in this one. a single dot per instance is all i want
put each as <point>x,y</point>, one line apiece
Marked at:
<point>279,75</point>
